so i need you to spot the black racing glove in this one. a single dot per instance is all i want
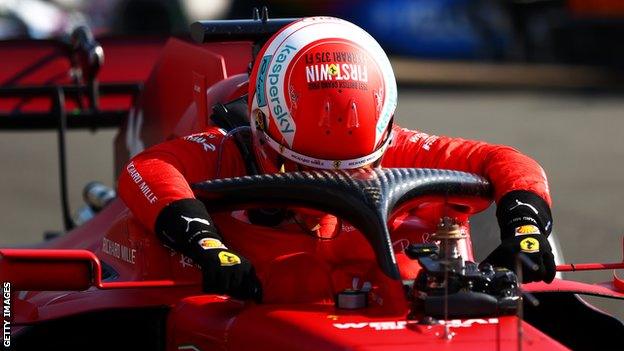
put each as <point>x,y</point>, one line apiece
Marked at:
<point>186,226</point>
<point>525,222</point>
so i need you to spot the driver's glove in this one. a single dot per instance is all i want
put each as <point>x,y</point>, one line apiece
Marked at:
<point>186,226</point>
<point>525,222</point>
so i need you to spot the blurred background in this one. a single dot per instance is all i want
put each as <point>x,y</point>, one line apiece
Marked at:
<point>544,76</point>
<point>561,31</point>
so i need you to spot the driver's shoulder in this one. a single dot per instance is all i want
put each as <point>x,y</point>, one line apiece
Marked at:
<point>405,137</point>
<point>210,133</point>
<point>211,140</point>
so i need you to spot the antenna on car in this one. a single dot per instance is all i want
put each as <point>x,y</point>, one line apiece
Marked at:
<point>448,233</point>
<point>265,14</point>
<point>445,249</point>
<point>257,29</point>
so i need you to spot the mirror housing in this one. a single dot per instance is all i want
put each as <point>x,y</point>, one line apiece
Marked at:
<point>48,270</point>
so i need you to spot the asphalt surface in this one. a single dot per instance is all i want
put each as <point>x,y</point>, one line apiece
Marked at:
<point>577,137</point>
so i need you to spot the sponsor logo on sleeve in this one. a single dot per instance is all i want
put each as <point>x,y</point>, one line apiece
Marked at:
<point>426,140</point>
<point>202,140</point>
<point>138,180</point>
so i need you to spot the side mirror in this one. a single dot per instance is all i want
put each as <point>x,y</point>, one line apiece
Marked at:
<point>48,270</point>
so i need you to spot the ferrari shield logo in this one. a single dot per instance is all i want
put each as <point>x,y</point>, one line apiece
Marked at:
<point>228,258</point>
<point>529,245</point>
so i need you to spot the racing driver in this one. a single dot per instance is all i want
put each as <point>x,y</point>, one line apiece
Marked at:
<point>322,95</point>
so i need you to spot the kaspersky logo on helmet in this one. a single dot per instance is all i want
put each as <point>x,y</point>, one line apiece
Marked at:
<point>269,87</point>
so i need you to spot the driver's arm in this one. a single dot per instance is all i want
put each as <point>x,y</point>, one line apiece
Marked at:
<point>504,166</point>
<point>161,174</point>
<point>155,187</point>
<point>520,188</point>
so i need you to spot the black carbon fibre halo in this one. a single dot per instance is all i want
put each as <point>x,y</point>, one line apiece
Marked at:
<point>363,197</point>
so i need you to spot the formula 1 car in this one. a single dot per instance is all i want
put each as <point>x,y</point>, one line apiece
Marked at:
<point>110,284</point>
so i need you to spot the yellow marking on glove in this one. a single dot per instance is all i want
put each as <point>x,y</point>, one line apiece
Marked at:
<point>228,259</point>
<point>529,245</point>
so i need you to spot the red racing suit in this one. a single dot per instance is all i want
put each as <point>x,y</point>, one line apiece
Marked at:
<point>162,173</point>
